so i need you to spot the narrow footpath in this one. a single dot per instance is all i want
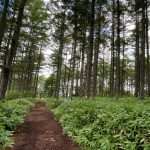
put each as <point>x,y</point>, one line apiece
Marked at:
<point>41,131</point>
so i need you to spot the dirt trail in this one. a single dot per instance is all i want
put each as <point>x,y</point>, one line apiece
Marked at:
<point>41,131</point>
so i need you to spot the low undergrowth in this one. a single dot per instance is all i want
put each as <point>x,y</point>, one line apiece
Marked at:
<point>12,113</point>
<point>106,124</point>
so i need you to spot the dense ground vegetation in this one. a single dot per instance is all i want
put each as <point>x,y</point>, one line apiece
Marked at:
<point>105,123</point>
<point>12,113</point>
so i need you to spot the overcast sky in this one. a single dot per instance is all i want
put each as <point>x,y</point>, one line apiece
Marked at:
<point>46,71</point>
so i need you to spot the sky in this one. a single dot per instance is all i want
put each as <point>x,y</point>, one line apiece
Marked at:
<point>46,70</point>
<point>46,0</point>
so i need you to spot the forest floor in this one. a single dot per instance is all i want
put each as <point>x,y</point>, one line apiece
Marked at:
<point>41,131</point>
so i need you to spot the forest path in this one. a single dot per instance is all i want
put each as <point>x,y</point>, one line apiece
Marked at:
<point>41,131</point>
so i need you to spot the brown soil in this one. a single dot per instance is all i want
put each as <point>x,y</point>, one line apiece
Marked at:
<point>42,131</point>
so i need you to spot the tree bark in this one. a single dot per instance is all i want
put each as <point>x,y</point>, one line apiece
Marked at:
<point>96,54</point>
<point>37,73</point>
<point>90,52</point>
<point>3,21</point>
<point>137,61</point>
<point>122,80</point>
<point>74,54</point>
<point>142,54</point>
<point>147,44</point>
<point>82,64</point>
<point>112,71</point>
<point>118,51</point>
<point>59,65</point>
<point>12,51</point>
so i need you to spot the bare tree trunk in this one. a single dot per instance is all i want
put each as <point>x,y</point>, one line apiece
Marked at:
<point>29,75</point>
<point>74,55</point>
<point>65,79</point>
<point>90,52</point>
<point>122,80</point>
<point>148,59</point>
<point>112,71</point>
<point>96,53</point>
<point>118,51</point>
<point>103,73</point>
<point>142,54</point>
<point>82,65</point>
<point>37,73</point>
<point>68,80</point>
<point>137,61</point>
<point>77,80</point>
<point>59,65</point>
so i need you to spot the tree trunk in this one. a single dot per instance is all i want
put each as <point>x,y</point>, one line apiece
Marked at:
<point>122,80</point>
<point>147,43</point>
<point>112,71</point>
<point>96,54</point>
<point>103,73</point>
<point>3,21</point>
<point>77,80</point>
<point>137,60</point>
<point>37,73</point>
<point>74,55</point>
<point>12,51</point>
<point>82,65</point>
<point>142,54</point>
<point>68,80</point>
<point>118,51</point>
<point>59,65</point>
<point>90,52</point>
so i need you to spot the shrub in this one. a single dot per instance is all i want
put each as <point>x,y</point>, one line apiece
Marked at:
<point>53,103</point>
<point>5,140</point>
<point>13,95</point>
<point>12,113</point>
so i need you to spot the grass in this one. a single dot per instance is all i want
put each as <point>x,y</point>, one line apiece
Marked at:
<point>104,123</point>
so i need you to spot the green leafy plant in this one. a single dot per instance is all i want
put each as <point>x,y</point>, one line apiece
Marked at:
<point>107,124</point>
<point>5,140</point>
<point>13,95</point>
<point>53,103</point>
<point>12,113</point>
